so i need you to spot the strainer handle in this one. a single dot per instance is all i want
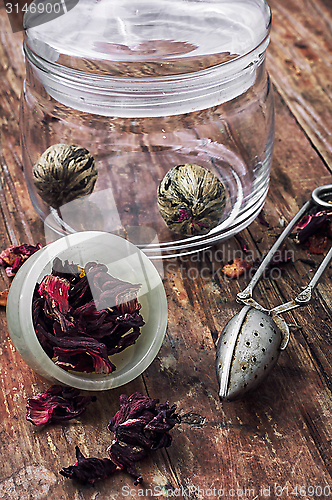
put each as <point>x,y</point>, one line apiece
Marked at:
<point>304,297</point>
<point>317,198</point>
<point>246,295</point>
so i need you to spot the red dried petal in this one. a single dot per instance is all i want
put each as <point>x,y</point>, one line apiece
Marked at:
<point>80,353</point>
<point>7,257</point>
<point>27,249</point>
<point>56,404</point>
<point>87,360</point>
<point>125,456</point>
<point>122,342</point>
<point>12,270</point>
<point>141,425</point>
<point>130,307</point>
<point>14,256</point>
<point>57,290</point>
<point>303,222</point>
<point>107,290</point>
<point>312,224</point>
<point>88,470</point>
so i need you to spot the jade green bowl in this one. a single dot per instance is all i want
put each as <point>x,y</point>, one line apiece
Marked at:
<point>124,261</point>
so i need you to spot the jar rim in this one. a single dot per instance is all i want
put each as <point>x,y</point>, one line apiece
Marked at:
<point>45,50</point>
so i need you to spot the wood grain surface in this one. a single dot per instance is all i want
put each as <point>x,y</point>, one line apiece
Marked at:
<point>281,435</point>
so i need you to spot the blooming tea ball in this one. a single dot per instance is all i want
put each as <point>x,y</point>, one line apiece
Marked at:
<point>64,173</point>
<point>191,199</point>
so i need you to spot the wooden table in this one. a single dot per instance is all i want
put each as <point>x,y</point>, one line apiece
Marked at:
<point>278,438</point>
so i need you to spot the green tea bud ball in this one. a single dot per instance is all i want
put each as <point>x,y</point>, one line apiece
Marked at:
<point>191,199</point>
<point>64,173</point>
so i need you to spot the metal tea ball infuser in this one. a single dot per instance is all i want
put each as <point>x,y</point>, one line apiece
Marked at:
<point>250,344</point>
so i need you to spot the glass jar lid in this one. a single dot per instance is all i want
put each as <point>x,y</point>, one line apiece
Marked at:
<point>113,57</point>
<point>114,35</point>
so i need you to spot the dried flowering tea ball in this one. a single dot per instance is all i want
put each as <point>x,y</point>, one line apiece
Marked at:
<point>64,173</point>
<point>191,199</point>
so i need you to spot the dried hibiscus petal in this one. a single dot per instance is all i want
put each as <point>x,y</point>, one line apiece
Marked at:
<point>83,359</point>
<point>310,225</point>
<point>141,425</point>
<point>14,256</point>
<point>65,269</point>
<point>88,470</point>
<point>56,405</point>
<point>80,354</point>
<point>57,291</point>
<point>313,230</point>
<point>108,291</point>
<point>125,456</point>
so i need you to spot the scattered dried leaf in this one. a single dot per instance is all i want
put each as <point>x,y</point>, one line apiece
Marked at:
<point>236,268</point>
<point>317,243</point>
<point>3,298</point>
<point>14,256</point>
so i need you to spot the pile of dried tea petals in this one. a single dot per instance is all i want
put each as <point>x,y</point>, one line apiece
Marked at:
<point>140,426</point>
<point>12,258</point>
<point>81,317</point>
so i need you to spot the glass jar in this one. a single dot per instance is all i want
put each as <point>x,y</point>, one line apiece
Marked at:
<point>146,86</point>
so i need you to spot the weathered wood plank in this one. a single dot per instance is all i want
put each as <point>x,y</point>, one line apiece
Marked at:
<point>299,61</point>
<point>282,433</point>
